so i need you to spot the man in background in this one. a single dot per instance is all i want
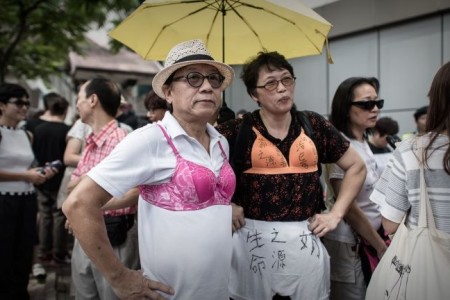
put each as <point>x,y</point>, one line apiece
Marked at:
<point>420,117</point>
<point>385,128</point>
<point>97,103</point>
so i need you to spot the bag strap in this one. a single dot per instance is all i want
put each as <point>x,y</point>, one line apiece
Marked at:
<point>309,131</point>
<point>241,142</point>
<point>425,212</point>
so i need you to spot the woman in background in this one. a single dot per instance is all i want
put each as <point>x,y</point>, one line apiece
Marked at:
<point>399,187</point>
<point>156,107</point>
<point>354,112</point>
<point>18,203</point>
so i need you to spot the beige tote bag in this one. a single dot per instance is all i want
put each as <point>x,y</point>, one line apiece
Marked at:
<point>416,266</point>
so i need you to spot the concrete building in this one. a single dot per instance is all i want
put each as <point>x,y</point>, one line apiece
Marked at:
<point>401,42</point>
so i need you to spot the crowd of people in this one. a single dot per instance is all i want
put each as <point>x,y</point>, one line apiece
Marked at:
<point>203,203</point>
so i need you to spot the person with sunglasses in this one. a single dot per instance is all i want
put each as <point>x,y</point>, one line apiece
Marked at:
<point>18,202</point>
<point>354,111</point>
<point>276,153</point>
<point>180,164</point>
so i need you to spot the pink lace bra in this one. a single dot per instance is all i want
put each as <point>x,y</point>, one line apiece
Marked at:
<point>192,186</point>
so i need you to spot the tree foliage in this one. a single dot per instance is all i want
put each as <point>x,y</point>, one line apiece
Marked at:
<point>37,35</point>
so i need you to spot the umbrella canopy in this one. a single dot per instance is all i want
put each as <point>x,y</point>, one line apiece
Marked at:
<point>233,31</point>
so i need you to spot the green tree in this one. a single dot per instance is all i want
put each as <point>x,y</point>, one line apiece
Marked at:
<point>37,35</point>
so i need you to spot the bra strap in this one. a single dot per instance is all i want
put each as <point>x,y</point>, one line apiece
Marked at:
<point>169,140</point>
<point>223,151</point>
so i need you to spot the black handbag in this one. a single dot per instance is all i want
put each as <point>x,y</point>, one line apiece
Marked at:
<point>117,228</point>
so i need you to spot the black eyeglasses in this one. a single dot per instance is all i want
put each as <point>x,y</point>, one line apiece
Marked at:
<point>368,104</point>
<point>196,79</point>
<point>20,103</point>
<point>273,84</point>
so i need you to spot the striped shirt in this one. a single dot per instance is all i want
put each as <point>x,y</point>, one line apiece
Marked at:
<point>98,146</point>
<point>398,189</point>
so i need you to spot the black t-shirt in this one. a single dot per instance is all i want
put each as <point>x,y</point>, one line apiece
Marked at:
<point>49,144</point>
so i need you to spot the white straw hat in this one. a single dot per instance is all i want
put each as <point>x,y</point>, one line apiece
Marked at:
<point>189,53</point>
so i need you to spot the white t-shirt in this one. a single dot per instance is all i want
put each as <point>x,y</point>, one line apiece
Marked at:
<point>343,232</point>
<point>188,250</point>
<point>398,189</point>
<point>382,160</point>
<point>16,156</point>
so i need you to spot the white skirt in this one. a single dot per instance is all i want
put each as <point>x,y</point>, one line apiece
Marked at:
<point>187,250</point>
<point>282,258</point>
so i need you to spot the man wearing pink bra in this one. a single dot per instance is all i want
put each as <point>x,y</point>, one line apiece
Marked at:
<point>186,183</point>
<point>277,219</point>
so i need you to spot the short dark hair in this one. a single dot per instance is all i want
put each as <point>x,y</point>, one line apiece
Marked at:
<point>420,112</point>
<point>269,60</point>
<point>108,93</point>
<point>386,126</point>
<point>153,101</point>
<point>56,104</point>
<point>342,99</point>
<point>12,90</point>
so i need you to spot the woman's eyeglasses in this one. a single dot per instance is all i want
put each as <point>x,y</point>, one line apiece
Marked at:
<point>20,103</point>
<point>273,84</point>
<point>196,79</point>
<point>369,104</point>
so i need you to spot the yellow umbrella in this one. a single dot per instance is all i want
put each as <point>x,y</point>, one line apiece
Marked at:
<point>232,30</point>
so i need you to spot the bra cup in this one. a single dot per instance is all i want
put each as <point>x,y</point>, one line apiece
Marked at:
<point>227,182</point>
<point>204,183</point>
<point>303,153</point>
<point>265,154</point>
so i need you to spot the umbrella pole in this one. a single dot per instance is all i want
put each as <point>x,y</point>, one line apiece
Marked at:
<point>222,9</point>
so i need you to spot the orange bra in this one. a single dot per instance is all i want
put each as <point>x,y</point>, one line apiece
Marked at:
<point>267,158</point>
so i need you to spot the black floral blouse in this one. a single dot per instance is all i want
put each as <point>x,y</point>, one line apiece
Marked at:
<point>280,197</point>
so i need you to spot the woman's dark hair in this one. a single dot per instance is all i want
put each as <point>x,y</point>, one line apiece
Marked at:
<point>12,90</point>
<point>108,93</point>
<point>56,104</point>
<point>438,119</point>
<point>153,101</point>
<point>342,99</point>
<point>270,60</point>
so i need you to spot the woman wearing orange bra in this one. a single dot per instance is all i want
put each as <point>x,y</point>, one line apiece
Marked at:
<point>277,222</point>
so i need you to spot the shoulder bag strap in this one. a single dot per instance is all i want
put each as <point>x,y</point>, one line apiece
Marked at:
<point>425,212</point>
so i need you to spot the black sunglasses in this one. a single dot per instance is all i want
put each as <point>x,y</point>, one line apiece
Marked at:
<point>20,103</point>
<point>368,104</point>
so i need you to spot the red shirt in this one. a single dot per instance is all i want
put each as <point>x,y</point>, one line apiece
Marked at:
<point>98,146</point>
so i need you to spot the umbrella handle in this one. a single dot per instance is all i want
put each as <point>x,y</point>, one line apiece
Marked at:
<point>327,48</point>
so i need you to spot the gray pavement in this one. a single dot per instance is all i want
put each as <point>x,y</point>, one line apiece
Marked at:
<point>57,285</point>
